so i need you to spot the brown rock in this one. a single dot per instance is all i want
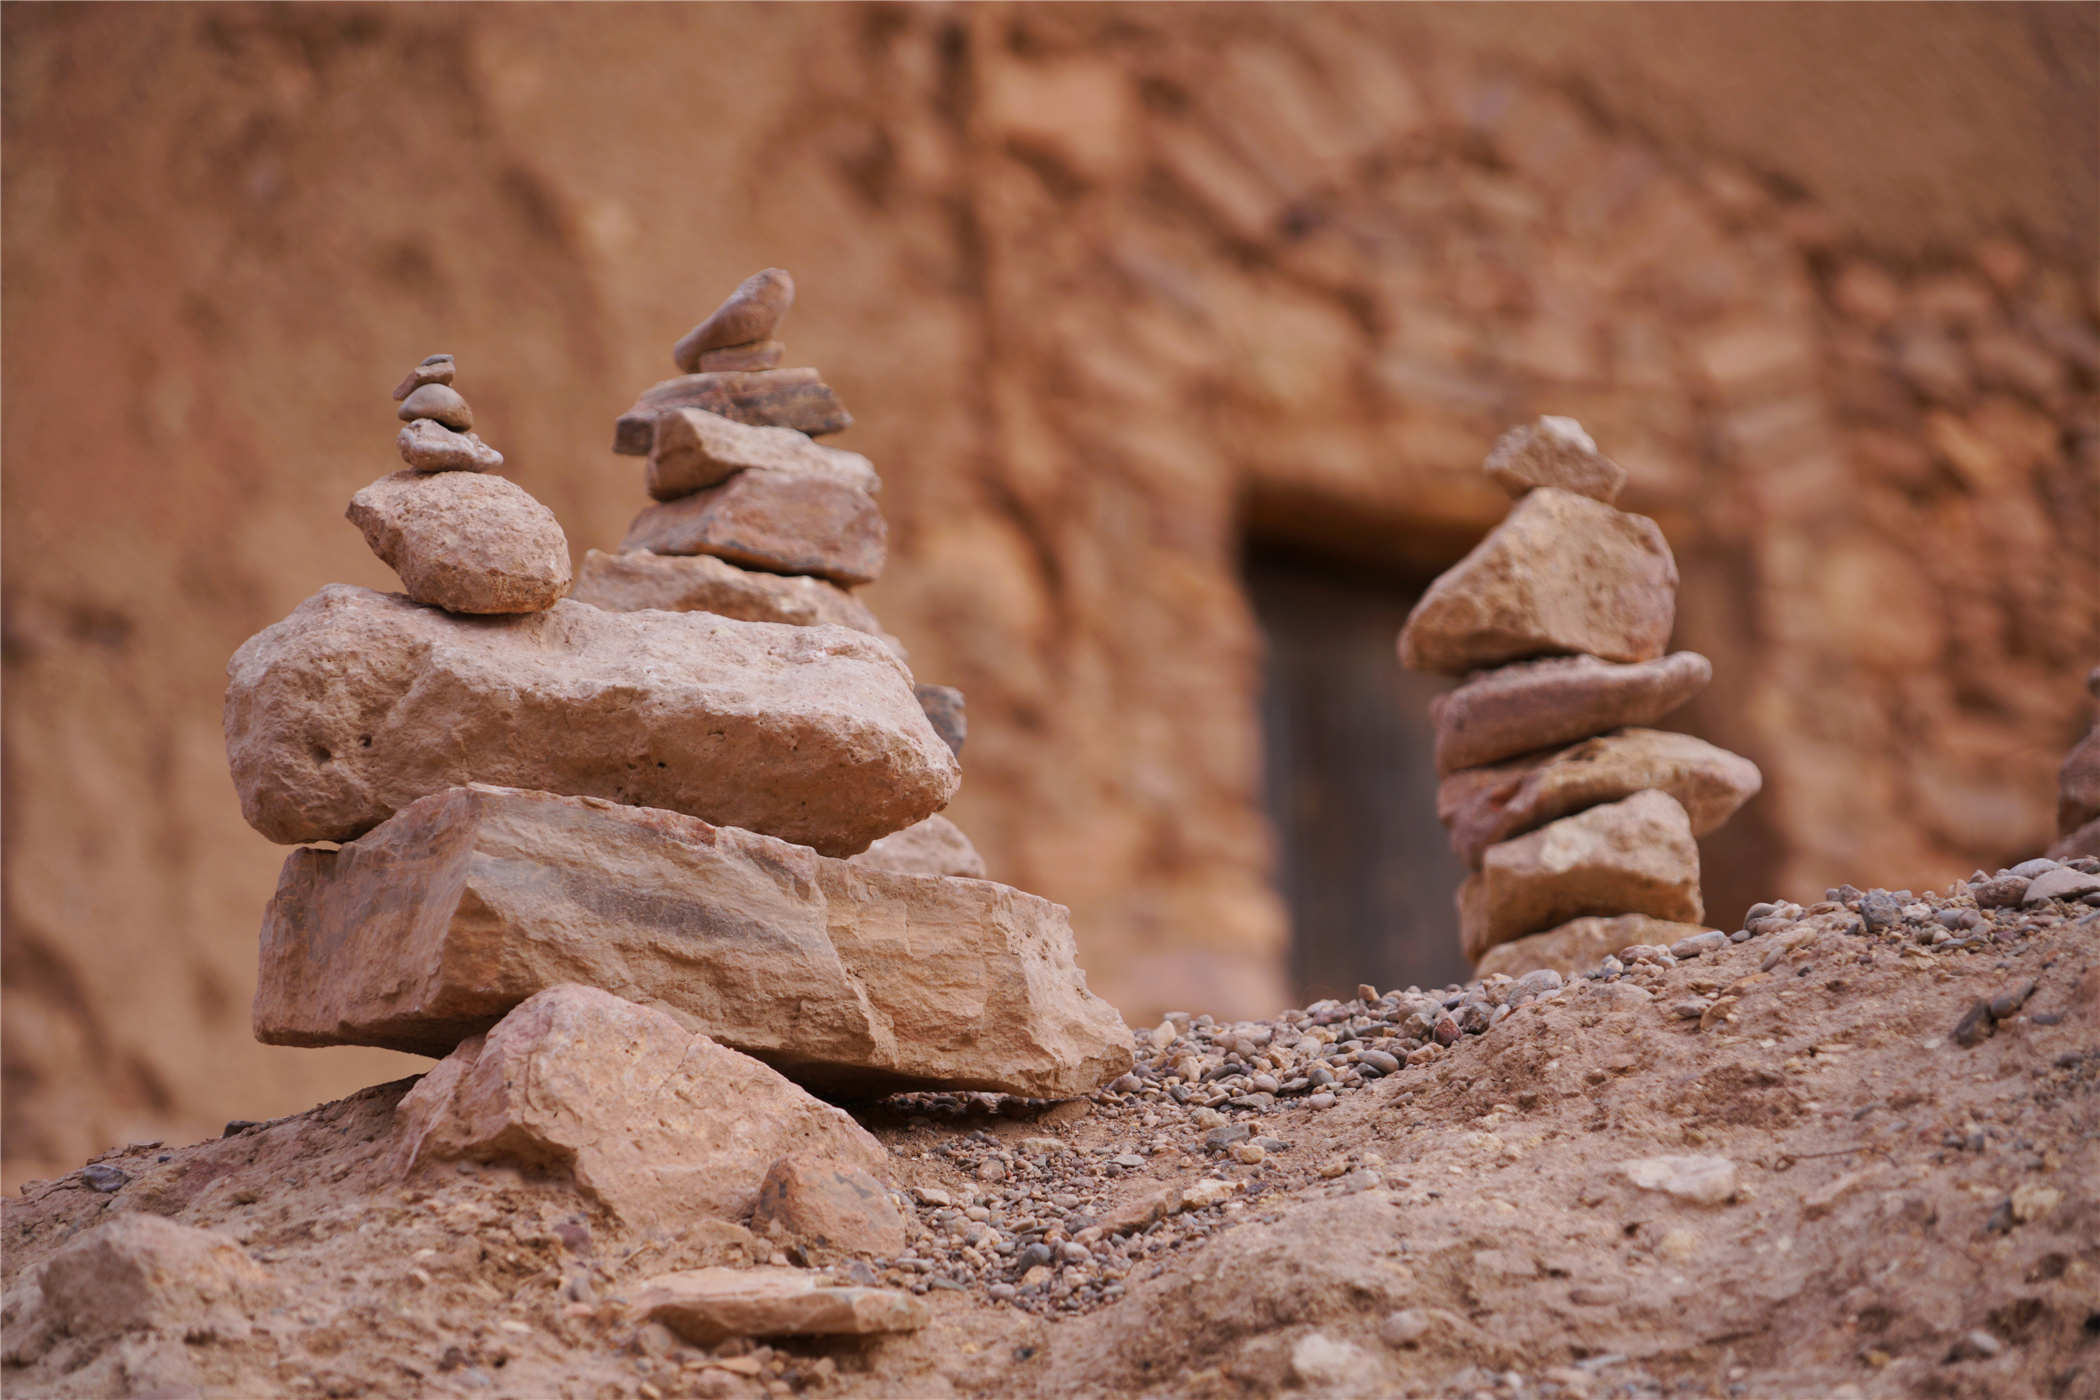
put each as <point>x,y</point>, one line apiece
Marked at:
<point>2078,786</point>
<point>788,522</point>
<point>435,369</point>
<point>360,702</point>
<point>1562,573</point>
<point>852,979</point>
<point>655,1122</point>
<point>752,312</point>
<point>1554,452</point>
<point>140,1271</point>
<point>1580,944</point>
<point>1540,704</point>
<point>439,401</point>
<point>948,712</point>
<point>1635,856</point>
<point>706,1306</point>
<point>772,398</point>
<point>935,846</point>
<point>701,583</point>
<point>430,446</point>
<point>2085,841</point>
<point>464,542</point>
<point>829,1205</point>
<point>759,354</point>
<point>695,449</point>
<point>1490,805</point>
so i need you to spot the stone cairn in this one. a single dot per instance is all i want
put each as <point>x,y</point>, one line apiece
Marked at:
<point>1578,824</point>
<point>645,866</point>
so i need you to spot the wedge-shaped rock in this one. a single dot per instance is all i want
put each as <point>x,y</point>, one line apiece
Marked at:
<point>856,980</point>
<point>701,583</point>
<point>430,446</point>
<point>935,846</point>
<point>360,702</point>
<point>1630,857</point>
<point>1554,452</point>
<point>655,1122</point>
<point>695,449</point>
<point>773,398</point>
<point>1494,804</point>
<point>706,1306</point>
<point>464,542</point>
<point>828,1204</point>
<point>1543,704</point>
<point>788,522</point>
<point>1581,944</point>
<point>1561,574</point>
<point>750,313</point>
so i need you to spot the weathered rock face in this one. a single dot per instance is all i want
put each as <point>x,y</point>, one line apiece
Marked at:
<point>935,846</point>
<point>1580,944</point>
<point>1553,452</point>
<point>430,930</point>
<point>1561,574</point>
<point>752,313</point>
<point>139,1271</point>
<point>657,1123</point>
<point>828,1205</point>
<point>1495,804</point>
<point>702,583</point>
<point>360,702</point>
<point>1539,704</point>
<point>776,398</point>
<point>464,542</point>
<point>694,449</point>
<point>706,1306</point>
<point>788,522</point>
<point>1635,856</point>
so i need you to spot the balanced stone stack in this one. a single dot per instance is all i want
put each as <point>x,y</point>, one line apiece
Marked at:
<point>1577,821</point>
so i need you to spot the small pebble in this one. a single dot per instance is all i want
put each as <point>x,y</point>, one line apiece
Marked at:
<point>439,401</point>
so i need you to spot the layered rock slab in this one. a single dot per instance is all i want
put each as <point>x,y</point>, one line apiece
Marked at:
<point>843,977</point>
<point>786,522</point>
<point>770,398</point>
<point>465,542</point>
<point>706,1306</point>
<point>360,703</point>
<point>656,1122</point>
<point>694,449</point>
<point>702,583</point>
<point>1561,574</point>
<point>1541,704</point>
<point>1581,944</point>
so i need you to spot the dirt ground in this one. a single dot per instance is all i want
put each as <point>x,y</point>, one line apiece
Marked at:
<point>1913,1212</point>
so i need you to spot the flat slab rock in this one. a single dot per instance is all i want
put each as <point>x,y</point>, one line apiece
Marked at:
<point>768,398</point>
<point>1540,704</point>
<point>1561,574</point>
<point>359,703</point>
<point>706,1306</point>
<point>785,522</point>
<point>853,979</point>
<point>657,1123</point>
<point>465,542</point>
<point>694,449</point>
<point>640,581</point>
<point>1581,944</point>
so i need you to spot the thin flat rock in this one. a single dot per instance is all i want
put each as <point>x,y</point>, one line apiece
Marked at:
<point>640,581</point>
<point>695,449</point>
<point>1543,704</point>
<point>706,1306</point>
<point>770,398</point>
<point>750,313</point>
<point>784,522</point>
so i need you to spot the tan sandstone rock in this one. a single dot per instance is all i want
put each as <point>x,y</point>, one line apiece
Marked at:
<point>654,1121</point>
<point>695,449</point>
<point>1540,704</point>
<point>702,583</point>
<point>1581,944</point>
<point>140,1271</point>
<point>751,313</point>
<point>828,1204</point>
<point>360,702</point>
<point>1561,574</point>
<point>935,846</point>
<point>1635,856</point>
<point>1554,452</point>
<point>795,398</point>
<point>706,1306</point>
<point>430,929</point>
<point>1490,805</point>
<point>430,446</point>
<point>465,542</point>
<point>788,522</point>
<point>757,354</point>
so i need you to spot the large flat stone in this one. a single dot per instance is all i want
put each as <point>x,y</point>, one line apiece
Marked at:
<point>857,980</point>
<point>360,702</point>
<point>1543,704</point>
<point>1562,574</point>
<point>465,542</point>
<point>1630,857</point>
<point>1581,944</point>
<point>702,583</point>
<point>657,1123</point>
<point>706,1306</point>
<point>769,398</point>
<point>787,522</point>
<point>694,449</point>
<point>1494,804</point>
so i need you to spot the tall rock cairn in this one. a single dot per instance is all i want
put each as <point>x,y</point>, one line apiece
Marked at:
<point>1578,824</point>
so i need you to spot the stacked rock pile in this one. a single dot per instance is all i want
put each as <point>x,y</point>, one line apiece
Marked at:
<point>1577,822</point>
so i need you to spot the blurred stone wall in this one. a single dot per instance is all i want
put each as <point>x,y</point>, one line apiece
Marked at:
<point>1110,290</point>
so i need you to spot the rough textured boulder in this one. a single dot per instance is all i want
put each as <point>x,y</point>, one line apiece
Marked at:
<point>773,398</point>
<point>1561,574</point>
<point>1490,805</point>
<point>935,846</point>
<point>1581,944</point>
<point>139,1271</point>
<point>702,583</point>
<point>1542,704</point>
<point>1554,452</point>
<point>788,522</point>
<point>857,980</point>
<point>706,1306</point>
<point>465,542</point>
<point>430,446</point>
<point>1635,856</point>
<point>751,313</point>
<point>829,1205</point>
<point>655,1122</point>
<point>360,702</point>
<point>694,449</point>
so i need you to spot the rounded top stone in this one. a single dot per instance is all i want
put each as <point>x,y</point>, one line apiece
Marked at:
<point>439,401</point>
<point>751,313</point>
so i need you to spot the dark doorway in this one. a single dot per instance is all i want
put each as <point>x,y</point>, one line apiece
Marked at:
<point>1364,866</point>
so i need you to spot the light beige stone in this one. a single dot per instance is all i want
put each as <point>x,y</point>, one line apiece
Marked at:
<point>1539,704</point>
<point>852,979</point>
<point>1553,452</point>
<point>465,542</point>
<point>360,702</point>
<point>439,401</point>
<point>430,446</point>
<point>829,1205</point>
<point>657,1123</point>
<point>788,522</point>
<point>695,449</point>
<point>935,846</point>
<point>702,583</point>
<point>1562,574</point>
<point>140,1271</point>
<point>1495,804</point>
<point>1636,856</point>
<point>1581,944</point>
<point>751,312</point>
<point>706,1306</point>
